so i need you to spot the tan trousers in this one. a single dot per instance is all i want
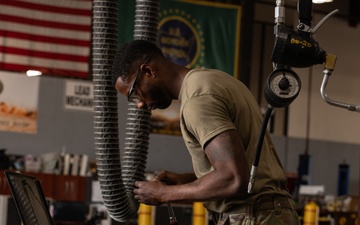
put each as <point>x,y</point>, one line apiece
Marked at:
<point>274,211</point>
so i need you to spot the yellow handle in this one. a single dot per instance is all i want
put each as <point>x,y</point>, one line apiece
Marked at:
<point>199,214</point>
<point>145,215</point>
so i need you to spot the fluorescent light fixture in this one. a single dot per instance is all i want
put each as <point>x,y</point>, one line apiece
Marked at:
<point>33,73</point>
<point>321,1</point>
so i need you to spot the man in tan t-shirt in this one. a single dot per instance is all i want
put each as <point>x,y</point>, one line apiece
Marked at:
<point>220,123</point>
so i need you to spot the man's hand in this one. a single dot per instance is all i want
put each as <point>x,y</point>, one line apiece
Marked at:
<point>154,192</point>
<point>149,192</point>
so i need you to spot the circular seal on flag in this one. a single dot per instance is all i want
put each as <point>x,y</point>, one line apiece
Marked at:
<point>179,40</point>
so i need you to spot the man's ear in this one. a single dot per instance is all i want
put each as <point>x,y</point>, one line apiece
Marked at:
<point>147,69</point>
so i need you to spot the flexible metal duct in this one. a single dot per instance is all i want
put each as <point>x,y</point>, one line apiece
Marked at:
<point>117,175</point>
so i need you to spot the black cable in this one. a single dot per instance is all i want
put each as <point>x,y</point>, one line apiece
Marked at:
<point>262,134</point>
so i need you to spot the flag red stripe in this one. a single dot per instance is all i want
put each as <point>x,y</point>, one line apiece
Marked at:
<point>42,54</point>
<point>46,39</point>
<point>47,8</point>
<point>44,70</point>
<point>43,23</point>
<point>79,37</point>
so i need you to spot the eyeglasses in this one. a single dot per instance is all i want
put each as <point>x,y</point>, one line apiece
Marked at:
<point>132,95</point>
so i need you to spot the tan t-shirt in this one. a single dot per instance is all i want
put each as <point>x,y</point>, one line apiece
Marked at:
<point>212,102</point>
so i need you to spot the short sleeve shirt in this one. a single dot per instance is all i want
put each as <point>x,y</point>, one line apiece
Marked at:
<point>213,102</point>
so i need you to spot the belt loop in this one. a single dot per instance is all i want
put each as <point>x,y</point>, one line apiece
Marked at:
<point>249,216</point>
<point>223,219</point>
<point>277,206</point>
<point>215,217</point>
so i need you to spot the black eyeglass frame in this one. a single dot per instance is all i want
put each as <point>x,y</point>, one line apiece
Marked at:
<point>132,96</point>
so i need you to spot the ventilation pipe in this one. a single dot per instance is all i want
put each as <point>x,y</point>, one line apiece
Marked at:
<point>116,173</point>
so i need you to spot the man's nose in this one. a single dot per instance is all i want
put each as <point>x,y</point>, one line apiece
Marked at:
<point>140,105</point>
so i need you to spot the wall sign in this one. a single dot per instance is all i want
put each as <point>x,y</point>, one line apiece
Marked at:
<point>79,95</point>
<point>18,102</point>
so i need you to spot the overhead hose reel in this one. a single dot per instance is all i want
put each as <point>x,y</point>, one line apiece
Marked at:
<point>291,49</point>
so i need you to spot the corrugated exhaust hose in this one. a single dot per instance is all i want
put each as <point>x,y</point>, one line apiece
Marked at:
<point>116,173</point>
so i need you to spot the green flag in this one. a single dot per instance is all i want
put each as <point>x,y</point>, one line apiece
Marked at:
<point>192,33</point>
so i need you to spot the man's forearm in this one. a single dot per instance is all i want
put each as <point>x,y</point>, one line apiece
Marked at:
<point>212,186</point>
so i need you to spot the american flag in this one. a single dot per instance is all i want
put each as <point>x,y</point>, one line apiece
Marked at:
<point>52,36</point>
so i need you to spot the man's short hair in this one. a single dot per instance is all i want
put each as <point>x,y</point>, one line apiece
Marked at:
<point>130,52</point>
